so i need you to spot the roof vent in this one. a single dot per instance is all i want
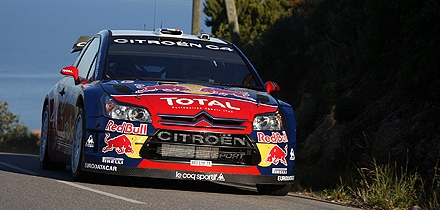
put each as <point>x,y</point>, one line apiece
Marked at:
<point>80,43</point>
<point>170,31</point>
<point>204,35</point>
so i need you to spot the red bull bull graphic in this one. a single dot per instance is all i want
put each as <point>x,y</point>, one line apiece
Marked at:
<point>166,88</point>
<point>224,92</point>
<point>126,128</point>
<point>192,89</point>
<point>276,137</point>
<point>277,155</point>
<point>120,144</point>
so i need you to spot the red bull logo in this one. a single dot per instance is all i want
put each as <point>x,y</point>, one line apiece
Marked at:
<point>126,128</point>
<point>276,155</point>
<point>120,144</point>
<point>276,137</point>
<point>165,88</point>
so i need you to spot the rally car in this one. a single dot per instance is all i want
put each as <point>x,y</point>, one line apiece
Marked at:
<point>164,104</point>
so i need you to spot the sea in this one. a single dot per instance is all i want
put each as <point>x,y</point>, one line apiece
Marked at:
<point>24,87</point>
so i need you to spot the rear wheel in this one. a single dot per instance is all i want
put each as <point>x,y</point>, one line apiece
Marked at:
<point>45,163</point>
<point>279,190</point>
<point>77,148</point>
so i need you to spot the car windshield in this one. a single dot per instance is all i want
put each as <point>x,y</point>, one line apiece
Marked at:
<point>176,60</point>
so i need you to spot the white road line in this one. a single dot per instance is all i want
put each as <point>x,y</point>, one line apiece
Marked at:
<point>101,192</point>
<point>19,169</point>
<point>74,185</point>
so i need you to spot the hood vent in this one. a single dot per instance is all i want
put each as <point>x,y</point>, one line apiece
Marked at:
<point>122,88</point>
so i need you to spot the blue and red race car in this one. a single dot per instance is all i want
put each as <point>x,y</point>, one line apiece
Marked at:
<point>163,104</point>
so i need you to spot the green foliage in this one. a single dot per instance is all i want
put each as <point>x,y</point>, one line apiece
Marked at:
<point>254,17</point>
<point>432,198</point>
<point>380,186</point>
<point>10,128</point>
<point>385,187</point>
<point>15,136</point>
<point>346,54</point>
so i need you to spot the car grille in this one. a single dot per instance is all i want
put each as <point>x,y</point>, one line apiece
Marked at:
<point>216,147</point>
<point>202,119</point>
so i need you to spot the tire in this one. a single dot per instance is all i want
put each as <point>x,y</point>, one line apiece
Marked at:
<point>78,174</point>
<point>45,163</point>
<point>278,190</point>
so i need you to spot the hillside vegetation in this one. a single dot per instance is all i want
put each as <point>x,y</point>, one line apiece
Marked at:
<point>364,79</point>
<point>14,135</point>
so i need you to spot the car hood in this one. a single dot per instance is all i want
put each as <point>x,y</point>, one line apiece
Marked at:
<point>185,99</point>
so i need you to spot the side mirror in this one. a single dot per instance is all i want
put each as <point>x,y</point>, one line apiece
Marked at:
<point>71,71</point>
<point>272,87</point>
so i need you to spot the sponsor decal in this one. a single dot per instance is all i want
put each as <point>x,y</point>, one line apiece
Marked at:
<point>276,137</point>
<point>113,82</point>
<point>286,178</point>
<point>231,155</point>
<point>121,144</point>
<point>113,160</point>
<point>136,142</point>
<point>292,154</point>
<point>166,88</point>
<point>66,71</point>
<point>172,43</point>
<point>90,142</point>
<point>200,176</point>
<point>279,170</point>
<point>196,89</point>
<point>203,139</point>
<point>100,167</point>
<point>224,92</point>
<point>277,155</point>
<point>201,163</point>
<point>203,102</point>
<point>128,128</point>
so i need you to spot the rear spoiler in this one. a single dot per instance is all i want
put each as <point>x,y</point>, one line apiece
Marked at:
<point>80,43</point>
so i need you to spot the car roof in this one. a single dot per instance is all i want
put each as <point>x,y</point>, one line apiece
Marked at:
<point>160,32</point>
<point>157,33</point>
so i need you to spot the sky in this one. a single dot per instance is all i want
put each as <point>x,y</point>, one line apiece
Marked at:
<point>44,30</point>
<point>36,37</point>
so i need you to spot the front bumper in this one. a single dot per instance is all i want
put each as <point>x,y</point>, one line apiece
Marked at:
<point>119,152</point>
<point>180,171</point>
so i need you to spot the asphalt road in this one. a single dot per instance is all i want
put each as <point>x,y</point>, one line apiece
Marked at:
<point>23,185</point>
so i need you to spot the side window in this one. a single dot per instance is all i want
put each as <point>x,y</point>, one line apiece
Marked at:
<point>87,61</point>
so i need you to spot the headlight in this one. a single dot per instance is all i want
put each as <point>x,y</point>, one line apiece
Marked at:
<point>118,111</point>
<point>268,121</point>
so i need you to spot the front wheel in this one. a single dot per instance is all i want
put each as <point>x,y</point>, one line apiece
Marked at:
<point>279,190</point>
<point>77,148</point>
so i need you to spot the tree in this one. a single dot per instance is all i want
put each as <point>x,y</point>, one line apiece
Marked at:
<point>10,128</point>
<point>233,22</point>
<point>254,17</point>
<point>195,26</point>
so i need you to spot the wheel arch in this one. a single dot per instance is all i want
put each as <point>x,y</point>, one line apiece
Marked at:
<point>50,131</point>
<point>80,102</point>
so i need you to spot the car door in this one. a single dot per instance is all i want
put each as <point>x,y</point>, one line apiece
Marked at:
<point>86,65</point>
